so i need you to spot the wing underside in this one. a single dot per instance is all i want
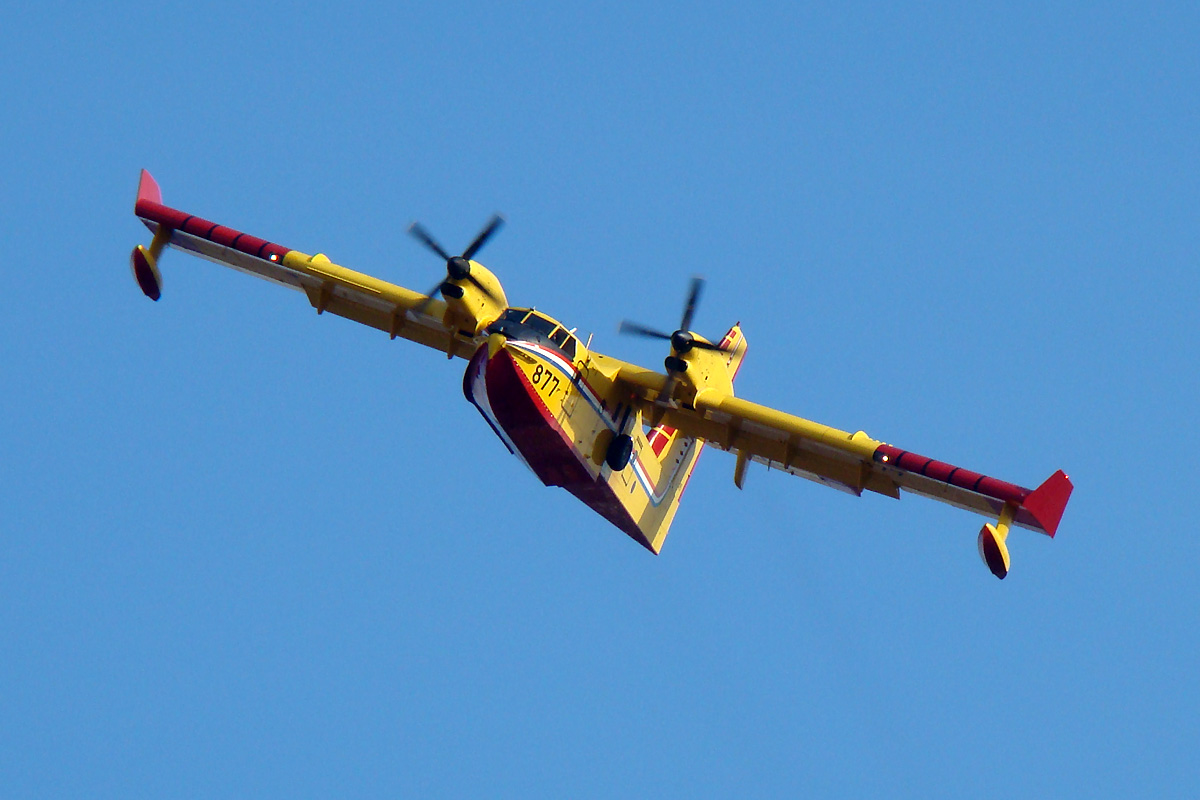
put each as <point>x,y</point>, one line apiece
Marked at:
<point>850,462</point>
<point>329,288</point>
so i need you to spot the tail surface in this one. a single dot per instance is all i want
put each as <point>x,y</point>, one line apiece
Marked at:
<point>672,457</point>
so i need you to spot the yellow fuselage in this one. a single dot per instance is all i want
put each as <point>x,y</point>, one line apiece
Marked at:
<point>560,415</point>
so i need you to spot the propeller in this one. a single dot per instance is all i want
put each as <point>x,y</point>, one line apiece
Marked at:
<point>457,267</point>
<point>681,340</point>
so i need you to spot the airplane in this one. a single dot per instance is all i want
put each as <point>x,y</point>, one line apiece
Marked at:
<point>621,438</point>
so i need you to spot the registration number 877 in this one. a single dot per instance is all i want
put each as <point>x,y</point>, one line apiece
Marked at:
<point>545,380</point>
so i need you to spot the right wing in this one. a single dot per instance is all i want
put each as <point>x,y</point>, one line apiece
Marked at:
<point>329,287</point>
<point>851,462</point>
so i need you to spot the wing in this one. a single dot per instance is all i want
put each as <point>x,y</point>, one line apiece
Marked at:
<point>329,287</point>
<point>852,462</point>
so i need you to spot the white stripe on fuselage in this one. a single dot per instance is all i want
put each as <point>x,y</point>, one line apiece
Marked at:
<point>572,374</point>
<point>484,404</point>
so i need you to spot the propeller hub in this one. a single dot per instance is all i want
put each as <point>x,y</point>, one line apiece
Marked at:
<point>682,341</point>
<point>458,268</point>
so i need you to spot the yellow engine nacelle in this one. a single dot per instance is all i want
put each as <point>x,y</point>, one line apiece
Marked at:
<point>479,305</point>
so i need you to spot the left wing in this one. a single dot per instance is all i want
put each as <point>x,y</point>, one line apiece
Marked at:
<point>852,462</point>
<point>390,308</point>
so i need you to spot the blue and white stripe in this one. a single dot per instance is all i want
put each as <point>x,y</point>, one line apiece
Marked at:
<point>568,370</point>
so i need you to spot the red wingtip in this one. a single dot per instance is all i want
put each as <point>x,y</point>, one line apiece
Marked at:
<point>148,189</point>
<point>1048,502</point>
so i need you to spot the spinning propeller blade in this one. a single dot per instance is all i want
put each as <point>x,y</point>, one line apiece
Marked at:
<point>689,308</point>
<point>641,330</point>
<point>681,340</point>
<point>493,225</point>
<point>457,267</point>
<point>418,230</point>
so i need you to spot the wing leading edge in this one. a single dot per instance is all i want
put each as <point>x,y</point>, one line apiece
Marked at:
<point>851,462</point>
<point>328,286</point>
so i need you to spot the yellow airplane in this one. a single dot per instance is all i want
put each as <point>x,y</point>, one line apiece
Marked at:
<point>621,438</point>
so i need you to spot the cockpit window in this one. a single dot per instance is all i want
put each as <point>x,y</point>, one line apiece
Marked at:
<point>525,324</point>
<point>565,341</point>
<point>542,325</point>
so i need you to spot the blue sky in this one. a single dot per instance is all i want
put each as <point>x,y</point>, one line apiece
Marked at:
<point>252,551</point>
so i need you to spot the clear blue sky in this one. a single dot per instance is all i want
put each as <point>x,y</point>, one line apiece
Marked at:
<point>250,551</point>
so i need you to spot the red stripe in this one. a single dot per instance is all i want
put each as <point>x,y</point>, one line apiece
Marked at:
<point>965,479</point>
<point>659,438</point>
<point>277,250</point>
<point>197,226</point>
<point>250,244</point>
<point>219,234</point>
<point>940,471</point>
<point>1003,490</point>
<point>948,473</point>
<point>223,235</point>
<point>541,441</point>
<point>523,415</point>
<point>157,212</point>
<point>579,376</point>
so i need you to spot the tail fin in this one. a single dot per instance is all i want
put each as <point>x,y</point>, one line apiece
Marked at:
<point>735,343</point>
<point>673,457</point>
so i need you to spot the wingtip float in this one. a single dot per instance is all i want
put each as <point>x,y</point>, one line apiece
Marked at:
<point>621,438</point>
<point>144,260</point>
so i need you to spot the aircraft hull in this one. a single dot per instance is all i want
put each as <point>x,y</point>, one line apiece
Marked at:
<point>542,409</point>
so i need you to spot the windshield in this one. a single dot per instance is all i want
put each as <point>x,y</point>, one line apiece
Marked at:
<point>527,325</point>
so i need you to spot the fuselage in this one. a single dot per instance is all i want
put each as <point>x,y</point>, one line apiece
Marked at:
<point>551,403</point>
